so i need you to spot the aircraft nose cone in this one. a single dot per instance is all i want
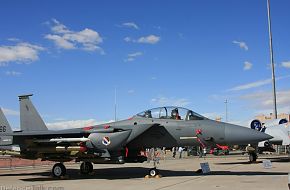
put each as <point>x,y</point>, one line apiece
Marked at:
<point>239,135</point>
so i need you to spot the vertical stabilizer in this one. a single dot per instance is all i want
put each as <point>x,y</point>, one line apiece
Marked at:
<point>5,129</point>
<point>4,125</point>
<point>30,119</point>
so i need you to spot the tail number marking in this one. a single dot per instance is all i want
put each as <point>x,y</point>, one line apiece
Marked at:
<point>2,129</point>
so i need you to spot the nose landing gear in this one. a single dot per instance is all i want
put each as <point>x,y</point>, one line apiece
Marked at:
<point>153,172</point>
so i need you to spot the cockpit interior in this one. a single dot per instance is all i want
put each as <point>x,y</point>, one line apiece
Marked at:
<point>176,113</point>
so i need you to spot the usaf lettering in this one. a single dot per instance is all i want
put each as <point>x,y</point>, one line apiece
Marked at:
<point>2,129</point>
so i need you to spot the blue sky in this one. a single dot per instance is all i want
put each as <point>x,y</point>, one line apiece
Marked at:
<point>73,54</point>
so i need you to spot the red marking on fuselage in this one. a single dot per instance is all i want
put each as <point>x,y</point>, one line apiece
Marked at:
<point>87,128</point>
<point>107,126</point>
<point>198,131</point>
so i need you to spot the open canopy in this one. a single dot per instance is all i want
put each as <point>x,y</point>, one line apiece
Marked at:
<point>171,112</point>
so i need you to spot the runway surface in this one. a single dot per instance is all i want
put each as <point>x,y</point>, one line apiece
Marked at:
<point>228,173</point>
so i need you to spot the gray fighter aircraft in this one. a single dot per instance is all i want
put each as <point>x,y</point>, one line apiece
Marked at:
<point>118,142</point>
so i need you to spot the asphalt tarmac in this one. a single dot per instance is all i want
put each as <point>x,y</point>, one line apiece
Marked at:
<point>227,173</point>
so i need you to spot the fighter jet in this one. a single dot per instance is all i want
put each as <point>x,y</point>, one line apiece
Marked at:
<point>278,128</point>
<point>121,141</point>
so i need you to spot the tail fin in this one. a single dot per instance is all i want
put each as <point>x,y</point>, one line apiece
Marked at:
<point>5,129</point>
<point>30,119</point>
<point>4,125</point>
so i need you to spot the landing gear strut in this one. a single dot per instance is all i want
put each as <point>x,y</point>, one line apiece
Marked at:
<point>86,168</point>
<point>58,170</point>
<point>153,156</point>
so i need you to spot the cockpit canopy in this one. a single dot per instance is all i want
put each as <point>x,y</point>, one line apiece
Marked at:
<point>172,112</point>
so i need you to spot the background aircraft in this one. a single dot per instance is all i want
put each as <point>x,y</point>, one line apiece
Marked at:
<point>279,129</point>
<point>118,142</point>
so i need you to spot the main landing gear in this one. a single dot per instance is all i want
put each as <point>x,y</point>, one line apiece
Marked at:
<point>86,168</point>
<point>58,170</point>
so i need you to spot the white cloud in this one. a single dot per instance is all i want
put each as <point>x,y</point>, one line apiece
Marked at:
<point>86,39</point>
<point>136,54</point>
<point>247,65</point>
<point>60,41</point>
<point>130,25</point>
<point>59,28</point>
<point>14,39</point>
<point>20,53</point>
<point>251,85</point>
<point>286,64</point>
<point>133,56</point>
<point>256,84</point>
<point>10,112</point>
<point>74,124</point>
<point>263,100</point>
<point>164,101</point>
<point>129,59</point>
<point>151,39</point>
<point>128,39</point>
<point>12,73</point>
<point>242,45</point>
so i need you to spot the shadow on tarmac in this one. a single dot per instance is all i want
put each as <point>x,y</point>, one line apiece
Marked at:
<point>260,160</point>
<point>130,173</point>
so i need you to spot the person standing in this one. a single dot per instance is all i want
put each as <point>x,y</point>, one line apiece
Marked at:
<point>180,150</point>
<point>173,152</point>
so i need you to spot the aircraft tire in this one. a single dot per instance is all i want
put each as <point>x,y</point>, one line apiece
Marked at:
<point>153,172</point>
<point>58,170</point>
<point>86,168</point>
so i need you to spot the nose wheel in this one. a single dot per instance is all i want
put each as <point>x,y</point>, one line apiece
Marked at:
<point>86,168</point>
<point>153,172</point>
<point>58,170</point>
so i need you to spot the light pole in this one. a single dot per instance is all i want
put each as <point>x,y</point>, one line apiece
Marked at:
<point>226,104</point>
<point>115,107</point>
<point>272,61</point>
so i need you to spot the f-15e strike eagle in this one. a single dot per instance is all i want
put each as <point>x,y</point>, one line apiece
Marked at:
<point>121,141</point>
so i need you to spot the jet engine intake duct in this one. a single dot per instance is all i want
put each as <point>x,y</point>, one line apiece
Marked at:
<point>110,141</point>
<point>258,125</point>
